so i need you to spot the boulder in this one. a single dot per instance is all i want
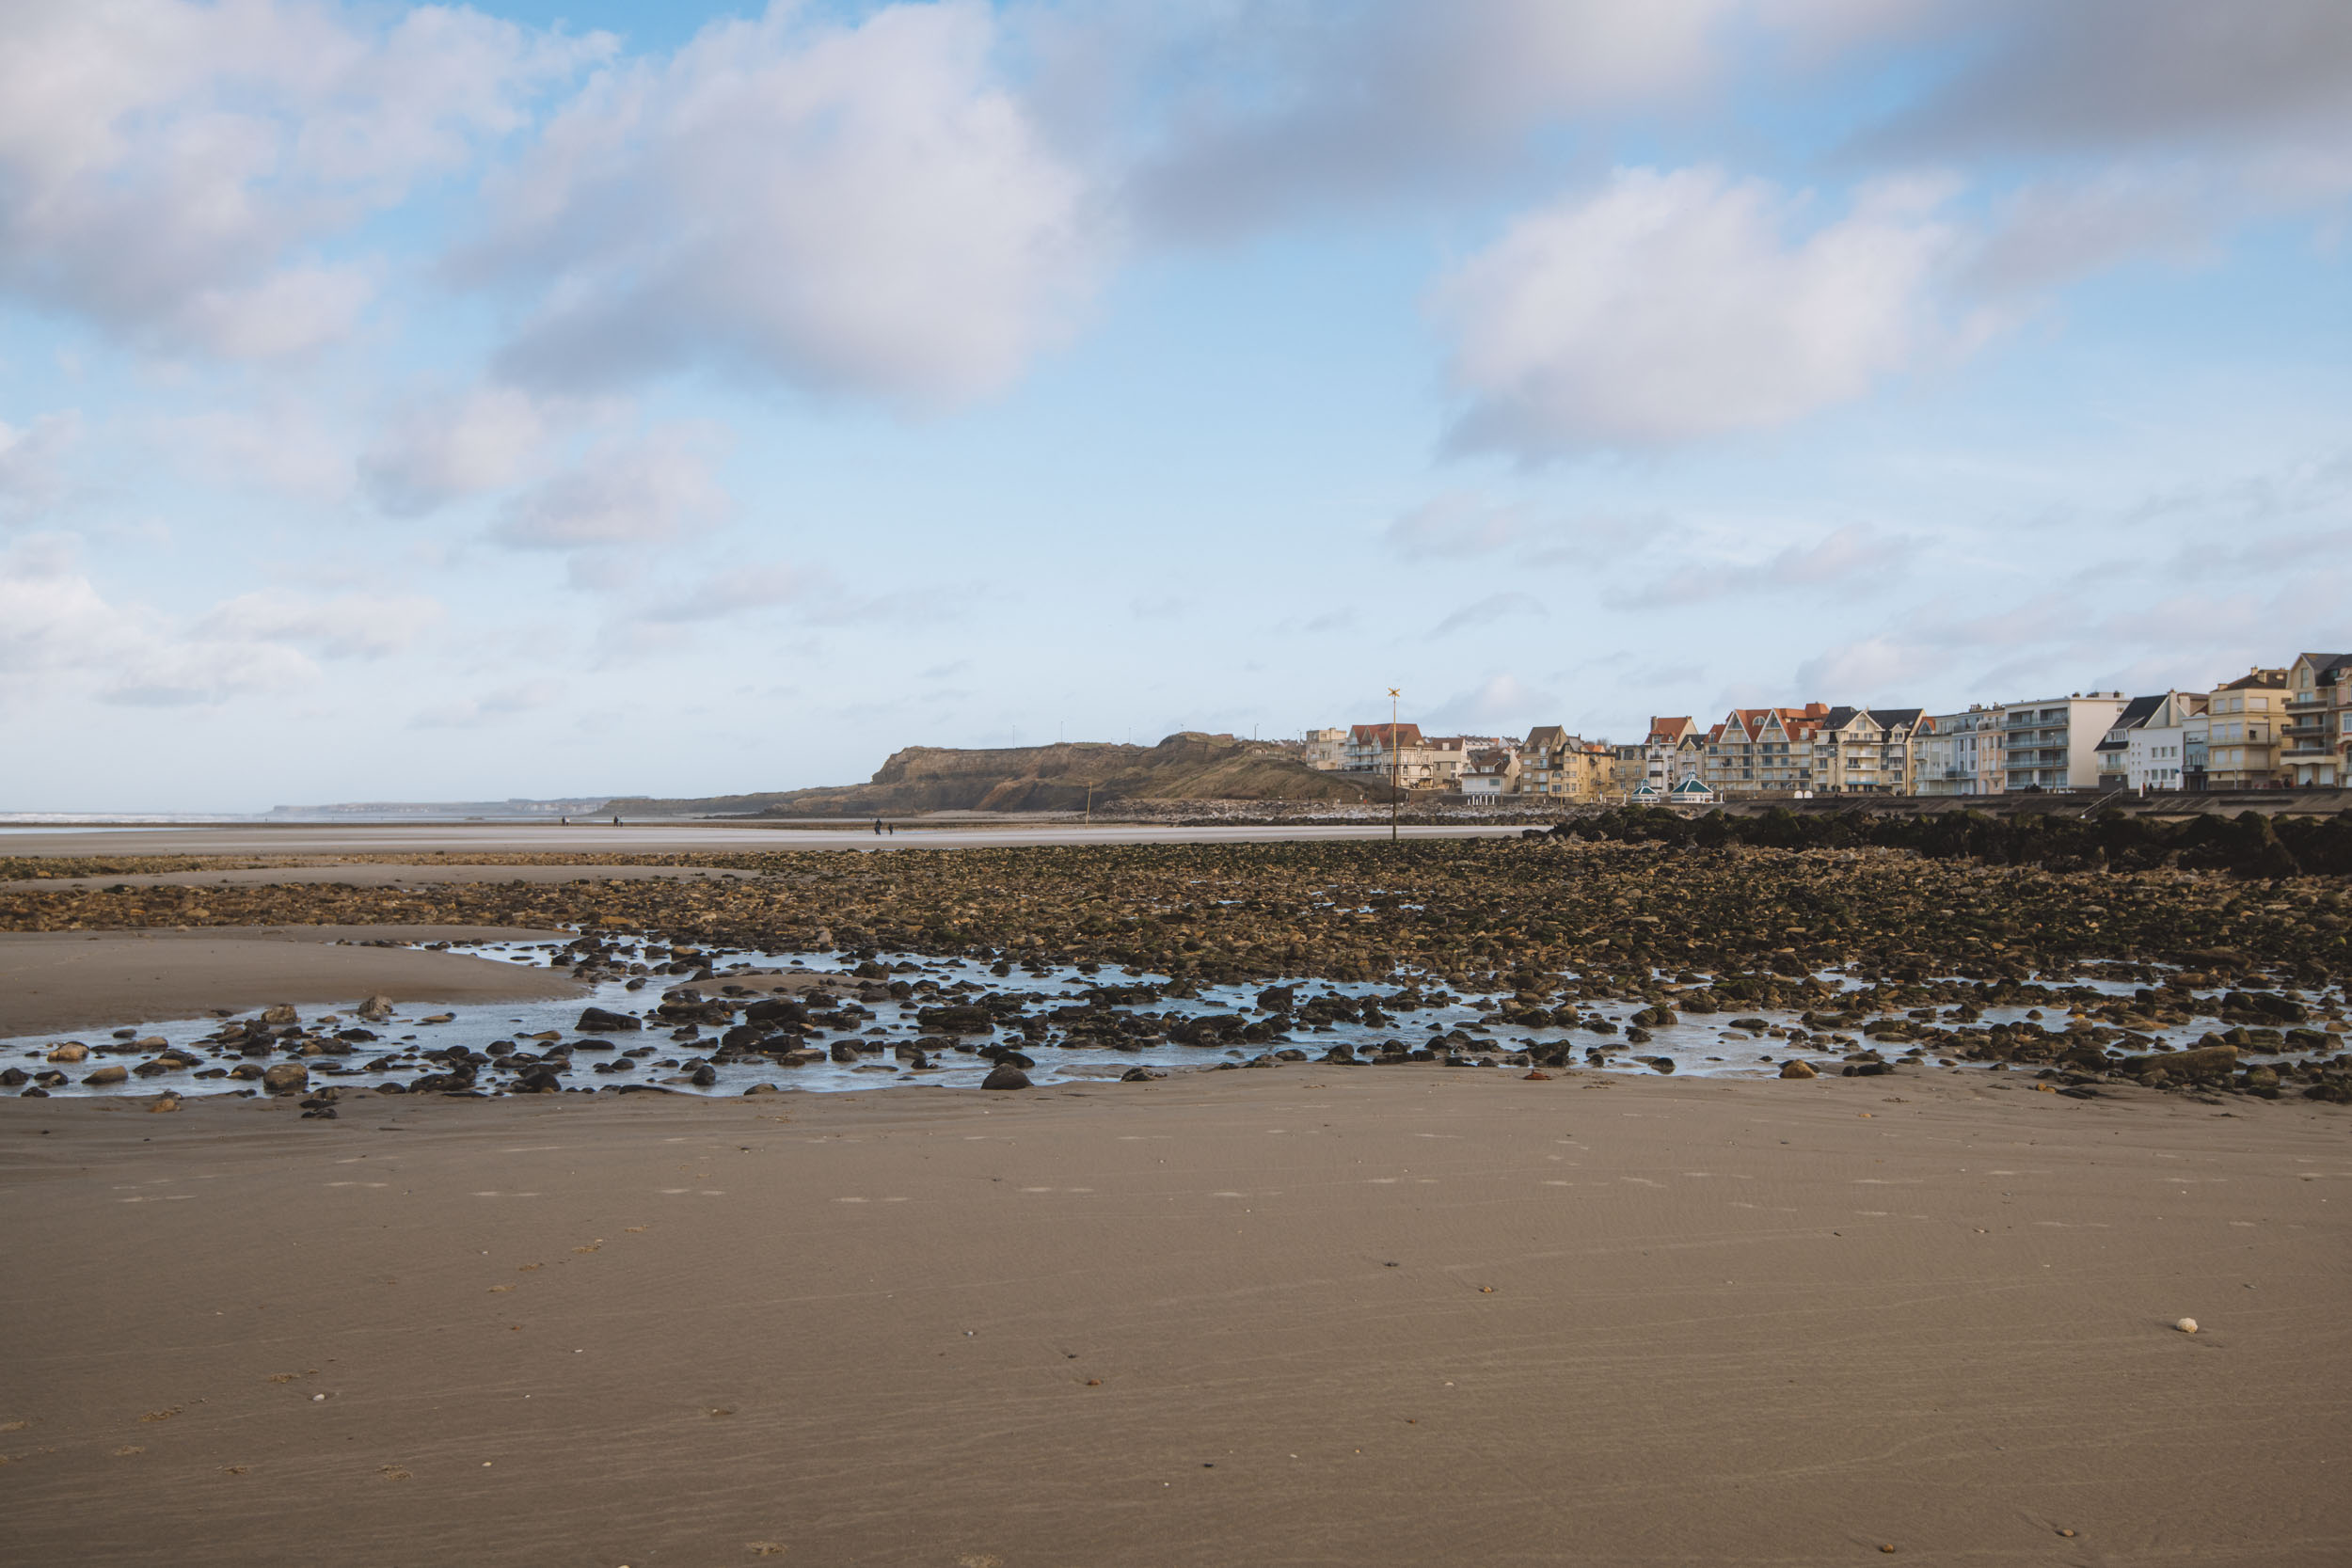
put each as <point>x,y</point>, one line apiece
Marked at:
<point>72,1051</point>
<point>104,1075</point>
<point>1005,1078</point>
<point>1797,1070</point>
<point>2205,1061</point>
<point>377,1010</point>
<point>169,1103</point>
<point>602,1021</point>
<point>285,1077</point>
<point>281,1015</point>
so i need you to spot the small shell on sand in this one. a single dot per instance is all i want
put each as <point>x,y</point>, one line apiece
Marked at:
<point>2187,1325</point>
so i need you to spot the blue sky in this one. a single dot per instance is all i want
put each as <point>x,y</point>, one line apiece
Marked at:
<point>425,403</point>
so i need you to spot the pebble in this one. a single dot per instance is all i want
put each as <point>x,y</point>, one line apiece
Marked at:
<point>2187,1325</point>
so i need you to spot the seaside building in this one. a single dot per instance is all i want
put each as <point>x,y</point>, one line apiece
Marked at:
<point>1491,775</point>
<point>2319,753</point>
<point>2247,719</point>
<point>1860,750</point>
<point>2053,743</point>
<point>1564,766</point>
<point>1674,750</point>
<point>2114,748</point>
<point>1761,751</point>
<point>2157,751</point>
<point>1327,750</point>
<point>1629,768</point>
<point>1417,761</point>
<point>1946,746</point>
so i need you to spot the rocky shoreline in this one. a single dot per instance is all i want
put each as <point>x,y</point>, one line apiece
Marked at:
<point>1876,954</point>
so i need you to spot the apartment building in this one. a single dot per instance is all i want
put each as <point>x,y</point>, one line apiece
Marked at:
<point>2318,751</point>
<point>2053,743</point>
<point>1860,750</point>
<point>1401,752</point>
<point>2246,721</point>
<point>1953,752</point>
<point>2114,748</point>
<point>1674,750</point>
<point>1327,750</point>
<point>1763,751</point>
<point>2157,751</point>
<point>1556,763</point>
<point>1629,766</point>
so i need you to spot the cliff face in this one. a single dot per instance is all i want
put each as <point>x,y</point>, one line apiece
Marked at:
<point>1187,767</point>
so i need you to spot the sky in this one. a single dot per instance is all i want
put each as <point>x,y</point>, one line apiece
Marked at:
<point>553,399</point>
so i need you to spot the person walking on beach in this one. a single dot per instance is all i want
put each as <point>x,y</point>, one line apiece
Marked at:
<point>877,827</point>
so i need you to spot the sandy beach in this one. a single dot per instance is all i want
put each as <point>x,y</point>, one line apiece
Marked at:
<point>66,980</point>
<point>1310,1316</point>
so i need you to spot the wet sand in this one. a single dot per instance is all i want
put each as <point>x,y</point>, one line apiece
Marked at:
<point>664,837</point>
<point>1394,1316</point>
<point>378,873</point>
<point>56,981</point>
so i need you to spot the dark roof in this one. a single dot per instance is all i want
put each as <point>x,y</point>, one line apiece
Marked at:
<point>2138,712</point>
<point>1895,717</point>
<point>2322,663</point>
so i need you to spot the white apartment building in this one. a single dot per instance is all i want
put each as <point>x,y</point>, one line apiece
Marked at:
<point>2053,743</point>
<point>1953,752</point>
<point>2115,746</point>
<point>2156,753</point>
<point>1327,750</point>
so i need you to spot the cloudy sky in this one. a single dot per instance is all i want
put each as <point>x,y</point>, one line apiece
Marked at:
<point>583,395</point>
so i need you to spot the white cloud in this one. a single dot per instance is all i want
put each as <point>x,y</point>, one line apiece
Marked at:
<point>1669,307</point>
<point>647,492</point>
<point>854,209</point>
<point>30,462</point>
<point>58,633</point>
<point>748,586</point>
<point>1454,525</point>
<point>491,708</point>
<point>1841,556</point>
<point>442,450</point>
<point>164,164</point>
<point>1870,669</point>
<point>284,444</point>
<point>1501,704</point>
<point>347,626</point>
<point>1486,611</point>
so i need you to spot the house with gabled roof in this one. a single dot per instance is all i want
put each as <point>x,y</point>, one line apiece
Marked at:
<point>1865,751</point>
<point>2114,749</point>
<point>1492,774</point>
<point>1763,751</point>
<point>1675,748</point>
<point>2318,753</point>
<point>1560,766</point>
